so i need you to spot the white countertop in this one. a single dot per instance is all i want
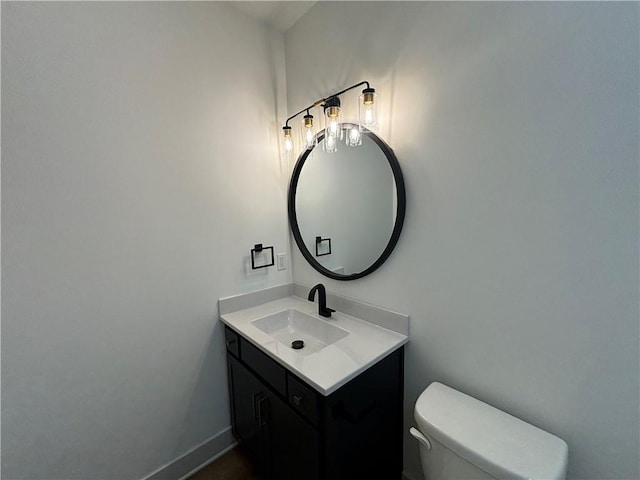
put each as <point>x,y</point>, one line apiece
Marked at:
<point>333,366</point>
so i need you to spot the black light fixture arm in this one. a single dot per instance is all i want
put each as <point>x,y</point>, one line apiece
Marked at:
<point>324,100</point>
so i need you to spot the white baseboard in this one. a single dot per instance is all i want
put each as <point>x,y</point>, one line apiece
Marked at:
<point>195,459</point>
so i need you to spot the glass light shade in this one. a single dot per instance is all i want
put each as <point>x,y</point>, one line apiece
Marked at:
<point>287,142</point>
<point>353,137</point>
<point>308,132</point>
<point>333,128</point>
<point>330,144</point>
<point>367,110</point>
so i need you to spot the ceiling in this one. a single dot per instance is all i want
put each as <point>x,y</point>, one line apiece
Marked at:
<point>280,15</point>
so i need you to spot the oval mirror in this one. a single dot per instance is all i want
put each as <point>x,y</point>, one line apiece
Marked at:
<point>346,208</point>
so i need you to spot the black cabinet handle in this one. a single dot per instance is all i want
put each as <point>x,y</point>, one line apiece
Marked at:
<point>230,342</point>
<point>259,408</point>
<point>256,408</point>
<point>297,400</point>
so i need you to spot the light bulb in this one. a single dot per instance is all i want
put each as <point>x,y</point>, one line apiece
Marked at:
<point>330,143</point>
<point>287,141</point>
<point>308,136</point>
<point>367,110</point>
<point>308,132</point>
<point>333,126</point>
<point>368,116</point>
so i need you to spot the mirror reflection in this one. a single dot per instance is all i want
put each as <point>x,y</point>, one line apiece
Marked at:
<point>344,206</point>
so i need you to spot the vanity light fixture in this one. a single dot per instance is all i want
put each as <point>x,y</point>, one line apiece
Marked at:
<point>367,110</point>
<point>367,120</point>
<point>287,141</point>
<point>308,131</point>
<point>332,124</point>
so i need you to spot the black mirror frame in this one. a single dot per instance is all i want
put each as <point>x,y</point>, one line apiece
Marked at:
<point>400,209</point>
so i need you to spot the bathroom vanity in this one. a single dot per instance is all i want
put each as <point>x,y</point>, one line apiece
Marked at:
<point>332,412</point>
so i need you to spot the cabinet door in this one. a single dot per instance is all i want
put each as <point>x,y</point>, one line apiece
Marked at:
<point>295,444</point>
<point>280,443</point>
<point>249,405</point>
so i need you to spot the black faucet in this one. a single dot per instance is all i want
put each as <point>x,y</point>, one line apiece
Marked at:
<point>323,310</point>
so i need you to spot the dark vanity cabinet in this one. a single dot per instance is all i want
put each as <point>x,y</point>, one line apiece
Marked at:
<point>292,432</point>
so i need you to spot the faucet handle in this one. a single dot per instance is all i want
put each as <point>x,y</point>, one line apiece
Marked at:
<point>326,312</point>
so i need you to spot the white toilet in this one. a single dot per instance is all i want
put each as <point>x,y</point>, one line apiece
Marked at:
<point>463,438</point>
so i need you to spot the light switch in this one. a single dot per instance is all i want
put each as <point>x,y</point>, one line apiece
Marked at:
<point>281,261</point>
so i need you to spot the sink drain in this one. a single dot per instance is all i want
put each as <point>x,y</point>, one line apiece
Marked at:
<point>297,344</point>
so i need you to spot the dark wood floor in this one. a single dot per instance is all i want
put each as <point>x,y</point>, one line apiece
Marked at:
<point>233,465</point>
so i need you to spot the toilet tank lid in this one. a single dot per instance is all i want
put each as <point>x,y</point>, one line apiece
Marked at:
<point>494,441</point>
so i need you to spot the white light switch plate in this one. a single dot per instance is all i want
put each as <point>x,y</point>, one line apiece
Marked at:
<point>281,261</point>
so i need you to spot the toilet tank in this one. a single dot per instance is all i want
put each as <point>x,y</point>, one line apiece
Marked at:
<point>471,439</point>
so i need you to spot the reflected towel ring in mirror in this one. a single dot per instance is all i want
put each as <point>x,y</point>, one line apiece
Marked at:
<point>356,197</point>
<point>323,246</point>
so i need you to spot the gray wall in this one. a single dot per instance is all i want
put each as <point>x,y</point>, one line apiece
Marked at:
<point>516,125</point>
<point>139,166</point>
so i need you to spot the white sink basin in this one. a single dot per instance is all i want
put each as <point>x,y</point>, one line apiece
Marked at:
<point>290,325</point>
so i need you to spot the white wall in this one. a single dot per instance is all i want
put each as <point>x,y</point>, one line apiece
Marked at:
<point>139,166</point>
<point>516,125</point>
